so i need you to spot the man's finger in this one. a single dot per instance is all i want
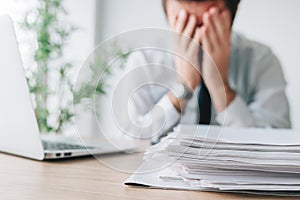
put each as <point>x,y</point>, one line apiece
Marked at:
<point>216,24</point>
<point>207,44</point>
<point>190,27</point>
<point>209,32</point>
<point>226,21</point>
<point>195,43</point>
<point>221,27</point>
<point>181,21</point>
<point>198,35</point>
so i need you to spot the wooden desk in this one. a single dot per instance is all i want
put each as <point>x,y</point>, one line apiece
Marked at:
<point>84,178</point>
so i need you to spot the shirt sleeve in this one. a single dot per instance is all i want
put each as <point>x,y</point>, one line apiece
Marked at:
<point>236,114</point>
<point>171,116</point>
<point>147,118</point>
<point>269,107</point>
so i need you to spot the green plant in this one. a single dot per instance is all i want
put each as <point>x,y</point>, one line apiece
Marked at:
<point>52,34</point>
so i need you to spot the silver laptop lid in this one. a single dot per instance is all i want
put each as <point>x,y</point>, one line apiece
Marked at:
<point>19,133</point>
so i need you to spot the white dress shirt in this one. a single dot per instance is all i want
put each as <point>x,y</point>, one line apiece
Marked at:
<point>255,75</point>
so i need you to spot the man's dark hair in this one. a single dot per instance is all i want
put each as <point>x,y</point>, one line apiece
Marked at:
<point>232,5</point>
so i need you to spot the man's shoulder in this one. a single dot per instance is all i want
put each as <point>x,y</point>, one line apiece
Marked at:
<point>253,60</point>
<point>244,45</point>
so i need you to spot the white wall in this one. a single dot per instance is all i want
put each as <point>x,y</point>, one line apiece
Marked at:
<point>82,15</point>
<point>115,16</point>
<point>273,22</point>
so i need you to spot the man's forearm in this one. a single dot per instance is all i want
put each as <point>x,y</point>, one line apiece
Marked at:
<point>222,97</point>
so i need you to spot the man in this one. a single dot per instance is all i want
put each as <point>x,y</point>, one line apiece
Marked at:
<point>240,83</point>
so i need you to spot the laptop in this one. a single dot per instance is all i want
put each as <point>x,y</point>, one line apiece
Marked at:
<point>19,132</point>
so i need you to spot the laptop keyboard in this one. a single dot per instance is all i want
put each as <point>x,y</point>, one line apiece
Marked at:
<point>62,146</point>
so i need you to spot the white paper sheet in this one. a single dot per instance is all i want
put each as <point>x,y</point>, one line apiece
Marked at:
<point>209,158</point>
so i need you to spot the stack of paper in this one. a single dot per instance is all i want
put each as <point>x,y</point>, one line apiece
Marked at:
<point>210,158</point>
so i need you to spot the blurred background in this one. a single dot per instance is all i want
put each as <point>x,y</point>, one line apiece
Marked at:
<point>272,22</point>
